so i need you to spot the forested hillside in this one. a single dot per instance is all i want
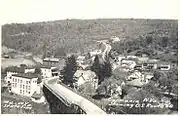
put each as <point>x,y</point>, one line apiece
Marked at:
<point>65,36</point>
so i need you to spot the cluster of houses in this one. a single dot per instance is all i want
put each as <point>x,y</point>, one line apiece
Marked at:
<point>24,81</point>
<point>139,69</point>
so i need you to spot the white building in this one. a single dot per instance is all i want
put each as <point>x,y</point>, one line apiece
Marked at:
<point>114,39</point>
<point>128,63</point>
<point>51,61</point>
<point>135,75</point>
<point>24,84</point>
<point>15,70</point>
<point>95,52</point>
<point>48,71</point>
<point>164,67</point>
<point>80,59</point>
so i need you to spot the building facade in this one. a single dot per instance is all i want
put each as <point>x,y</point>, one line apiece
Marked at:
<point>24,84</point>
<point>48,71</point>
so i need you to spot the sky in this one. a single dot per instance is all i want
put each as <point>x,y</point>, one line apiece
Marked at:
<point>25,11</point>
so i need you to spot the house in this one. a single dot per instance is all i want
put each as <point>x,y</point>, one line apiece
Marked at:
<point>95,52</point>
<point>24,84</point>
<point>142,60</point>
<point>84,67</point>
<point>80,59</point>
<point>164,67</point>
<point>86,76</point>
<point>6,56</point>
<point>135,75</point>
<point>128,63</point>
<point>138,67</point>
<point>15,70</point>
<point>51,61</point>
<point>49,71</point>
<point>136,83</point>
<point>148,77</point>
<point>114,39</point>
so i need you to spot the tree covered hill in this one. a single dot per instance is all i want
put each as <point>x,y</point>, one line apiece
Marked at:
<point>75,35</point>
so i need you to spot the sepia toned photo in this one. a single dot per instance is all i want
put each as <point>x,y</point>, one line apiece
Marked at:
<point>90,66</point>
<point>120,66</point>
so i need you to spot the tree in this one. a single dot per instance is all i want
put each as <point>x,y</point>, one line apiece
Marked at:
<point>164,41</point>
<point>69,70</point>
<point>60,51</point>
<point>107,71</point>
<point>38,72</point>
<point>149,40</point>
<point>96,65</point>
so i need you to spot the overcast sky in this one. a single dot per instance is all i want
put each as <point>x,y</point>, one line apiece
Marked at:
<point>23,11</point>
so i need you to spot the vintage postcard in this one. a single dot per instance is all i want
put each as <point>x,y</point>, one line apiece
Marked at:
<point>87,65</point>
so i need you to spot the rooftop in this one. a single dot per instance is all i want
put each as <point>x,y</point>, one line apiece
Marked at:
<point>135,83</point>
<point>51,59</point>
<point>46,66</point>
<point>26,75</point>
<point>20,69</point>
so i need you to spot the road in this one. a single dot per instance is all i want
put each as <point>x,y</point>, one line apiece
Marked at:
<point>107,48</point>
<point>72,97</point>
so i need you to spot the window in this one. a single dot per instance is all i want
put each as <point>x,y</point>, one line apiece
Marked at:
<point>29,81</point>
<point>21,81</point>
<point>20,91</point>
<point>26,82</point>
<point>23,91</point>
<point>23,86</point>
<point>10,77</point>
<point>13,79</point>
<point>18,80</point>
<point>15,85</point>
<point>26,87</point>
<point>20,85</point>
<point>29,87</point>
<point>29,92</point>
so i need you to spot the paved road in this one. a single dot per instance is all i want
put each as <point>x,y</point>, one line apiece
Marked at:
<point>107,48</point>
<point>72,97</point>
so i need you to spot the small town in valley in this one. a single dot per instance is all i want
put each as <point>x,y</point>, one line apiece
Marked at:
<point>110,75</point>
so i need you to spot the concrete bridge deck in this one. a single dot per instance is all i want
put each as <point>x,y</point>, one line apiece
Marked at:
<point>69,97</point>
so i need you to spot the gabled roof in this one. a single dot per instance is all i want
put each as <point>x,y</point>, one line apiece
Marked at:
<point>46,66</point>
<point>51,59</point>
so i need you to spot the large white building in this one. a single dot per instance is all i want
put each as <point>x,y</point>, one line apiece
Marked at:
<point>48,71</point>
<point>51,61</point>
<point>24,84</point>
<point>15,70</point>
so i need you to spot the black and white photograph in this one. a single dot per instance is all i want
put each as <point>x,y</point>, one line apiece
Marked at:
<point>78,65</point>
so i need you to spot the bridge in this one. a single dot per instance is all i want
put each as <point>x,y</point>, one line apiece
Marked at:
<point>64,101</point>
